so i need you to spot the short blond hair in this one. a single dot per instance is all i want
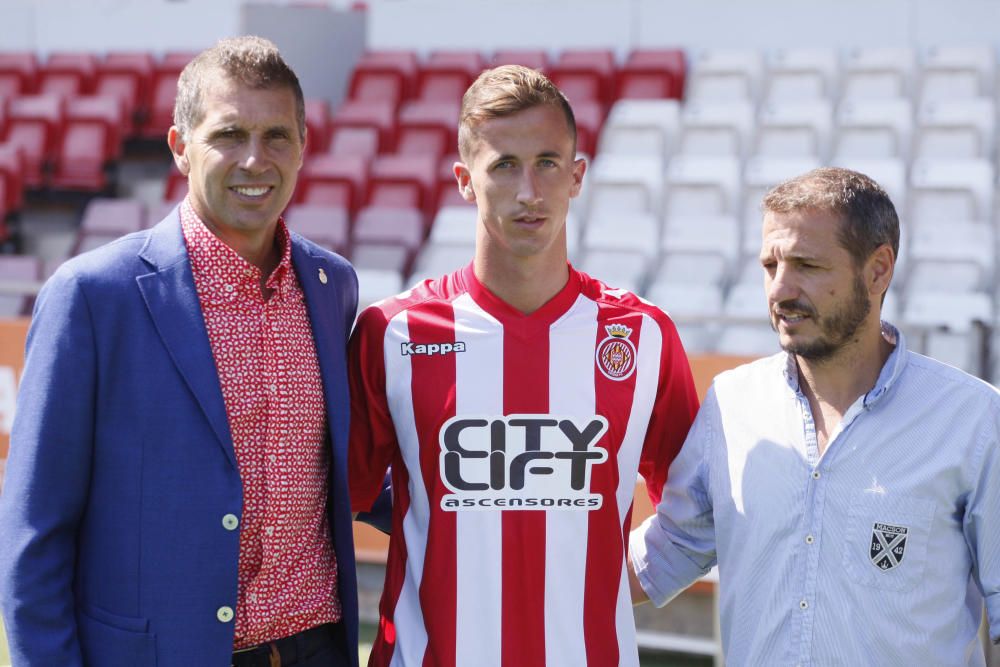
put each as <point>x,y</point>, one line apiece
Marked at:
<point>506,90</point>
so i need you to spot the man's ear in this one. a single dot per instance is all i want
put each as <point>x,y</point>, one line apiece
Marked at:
<point>878,270</point>
<point>579,169</point>
<point>464,178</point>
<point>178,148</point>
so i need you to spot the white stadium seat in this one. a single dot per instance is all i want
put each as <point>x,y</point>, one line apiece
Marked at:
<point>377,284</point>
<point>942,191</point>
<point>641,127</point>
<point>873,129</point>
<point>714,128</point>
<point>957,72</point>
<point>624,184</point>
<point>793,129</point>
<point>799,75</point>
<point>702,186</point>
<point>878,73</point>
<point>955,129</point>
<point>725,75</point>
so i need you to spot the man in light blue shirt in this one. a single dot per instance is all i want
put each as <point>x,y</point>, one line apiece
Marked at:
<point>847,488</point>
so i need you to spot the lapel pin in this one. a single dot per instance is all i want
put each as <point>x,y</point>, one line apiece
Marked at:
<point>322,276</point>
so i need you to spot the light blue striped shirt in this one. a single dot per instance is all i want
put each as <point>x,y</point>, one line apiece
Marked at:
<point>879,552</point>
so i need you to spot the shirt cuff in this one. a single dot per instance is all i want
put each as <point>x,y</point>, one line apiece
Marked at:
<point>662,569</point>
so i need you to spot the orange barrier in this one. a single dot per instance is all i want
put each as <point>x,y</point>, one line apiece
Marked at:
<point>12,335</point>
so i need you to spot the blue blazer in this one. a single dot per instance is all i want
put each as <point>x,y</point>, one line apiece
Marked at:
<point>113,551</point>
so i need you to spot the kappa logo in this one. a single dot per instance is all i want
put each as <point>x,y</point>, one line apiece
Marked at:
<point>615,354</point>
<point>887,546</point>
<point>521,462</point>
<point>430,349</point>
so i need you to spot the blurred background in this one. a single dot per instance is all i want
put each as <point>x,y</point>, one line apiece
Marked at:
<point>687,111</point>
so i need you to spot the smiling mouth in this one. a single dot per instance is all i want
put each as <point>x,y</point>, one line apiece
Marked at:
<point>251,190</point>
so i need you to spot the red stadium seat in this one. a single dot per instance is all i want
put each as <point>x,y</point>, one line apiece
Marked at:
<point>537,59</point>
<point>163,92</point>
<point>447,74</point>
<point>403,181</point>
<point>585,75</point>
<point>652,74</point>
<point>334,180</point>
<point>18,74</point>
<point>589,120</point>
<point>317,125</point>
<point>18,268</point>
<point>367,113</point>
<point>11,170</point>
<point>68,74</point>
<point>113,216</point>
<point>404,227</point>
<point>354,141</point>
<point>385,76</point>
<point>91,141</point>
<point>427,128</point>
<point>127,76</point>
<point>329,226</point>
<point>34,126</point>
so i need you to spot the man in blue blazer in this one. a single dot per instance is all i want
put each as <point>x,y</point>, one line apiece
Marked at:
<point>175,493</point>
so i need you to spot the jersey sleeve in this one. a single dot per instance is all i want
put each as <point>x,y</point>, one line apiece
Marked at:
<point>674,410</point>
<point>373,436</point>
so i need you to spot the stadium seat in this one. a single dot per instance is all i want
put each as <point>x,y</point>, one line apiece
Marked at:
<point>652,74</point>
<point>696,185</point>
<point>446,75</point>
<point>127,76</point>
<point>11,172</point>
<point>961,129</point>
<point>435,260</point>
<point>334,180</point>
<point>157,212</point>
<point>954,256</point>
<point>694,309</point>
<point>693,268</point>
<point>385,76</point>
<point>747,340</point>
<point>878,73</point>
<point>641,127</point>
<point>328,226</point>
<point>454,225</point>
<point>946,325</point>
<point>377,114</point>
<point>890,173</point>
<point>377,284</point>
<point>90,143</point>
<point>748,331</point>
<point>585,75</point>
<point>363,141</point>
<point>618,269</point>
<point>18,268</point>
<point>428,128</point>
<point>874,129</point>
<point>704,234</point>
<point>163,92</point>
<point>942,191</point>
<point>18,73</point>
<point>113,217</point>
<point>631,231</point>
<point>801,75</point>
<point>760,175</point>
<point>717,128</point>
<point>794,129</point>
<point>68,74</point>
<point>403,181</point>
<point>725,75</point>
<point>957,73</point>
<point>34,126</point>
<point>533,58</point>
<point>623,184</point>
<point>317,126</point>
<point>377,225</point>
<point>589,121</point>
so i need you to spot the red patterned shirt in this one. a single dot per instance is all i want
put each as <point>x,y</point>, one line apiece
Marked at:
<point>266,360</point>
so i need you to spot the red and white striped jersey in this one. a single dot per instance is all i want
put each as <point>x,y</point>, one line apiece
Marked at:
<point>514,441</point>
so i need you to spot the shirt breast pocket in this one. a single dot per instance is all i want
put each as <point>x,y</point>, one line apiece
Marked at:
<point>886,542</point>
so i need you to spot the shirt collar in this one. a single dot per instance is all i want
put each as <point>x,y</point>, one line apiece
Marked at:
<point>212,259</point>
<point>887,377</point>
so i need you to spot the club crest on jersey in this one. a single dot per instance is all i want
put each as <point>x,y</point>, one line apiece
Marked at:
<point>616,354</point>
<point>887,546</point>
<point>430,349</point>
<point>520,462</point>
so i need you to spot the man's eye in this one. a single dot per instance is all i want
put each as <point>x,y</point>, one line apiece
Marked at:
<point>547,163</point>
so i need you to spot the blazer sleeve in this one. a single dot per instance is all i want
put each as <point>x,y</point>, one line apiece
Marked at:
<point>47,478</point>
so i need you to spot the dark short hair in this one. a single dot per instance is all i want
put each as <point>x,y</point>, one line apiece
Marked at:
<point>506,90</point>
<point>253,61</point>
<point>867,217</point>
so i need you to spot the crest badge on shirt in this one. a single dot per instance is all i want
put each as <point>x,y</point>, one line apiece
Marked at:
<point>887,546</point>
<point>615,354</point>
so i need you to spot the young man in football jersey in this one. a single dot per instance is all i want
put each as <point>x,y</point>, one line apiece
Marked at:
<point>515,400</point>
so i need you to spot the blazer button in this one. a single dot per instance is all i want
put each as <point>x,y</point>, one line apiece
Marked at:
<point>230,522</point>
<point>224,614</point>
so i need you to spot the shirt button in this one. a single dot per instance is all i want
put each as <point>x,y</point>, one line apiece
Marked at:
<point>810,539</point>
<point>230,522</point>
<point>803,604</point>
<point>816,474</point>
<point>224,614</point>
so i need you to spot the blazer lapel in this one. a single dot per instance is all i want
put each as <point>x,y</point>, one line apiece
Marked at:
<point>172,300</point>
